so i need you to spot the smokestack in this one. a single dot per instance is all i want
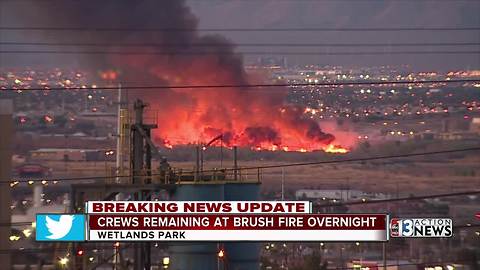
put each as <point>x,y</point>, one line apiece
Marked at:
<point>197,163</point>
<point>6,122</point>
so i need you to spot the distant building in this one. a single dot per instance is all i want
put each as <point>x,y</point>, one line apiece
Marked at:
<point>452,136</point>
<point>272,62</point>
<point>69,154</point>
<point>339,194</point>
<point>378,265</point>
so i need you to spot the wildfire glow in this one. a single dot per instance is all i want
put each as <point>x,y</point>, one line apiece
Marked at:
<point>331,148</point>
<point>167,144</point>
<point>336,149</point>
<point>242,116</point>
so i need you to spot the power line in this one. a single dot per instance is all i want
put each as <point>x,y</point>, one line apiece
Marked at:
<point>220,53</point>
<point>145,44</point>
<point>264,167</point>
<point>105,260</point>
<point>414,198</point>
<point>293,29</point>
<point>380,265</point>
<point>52,249</point>
<point>374,1</point>
<point>350,160</point>
<point>380,1</point>
<point>246,86</point>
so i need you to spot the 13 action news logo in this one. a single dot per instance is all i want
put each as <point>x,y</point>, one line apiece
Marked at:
<point>421,227</point>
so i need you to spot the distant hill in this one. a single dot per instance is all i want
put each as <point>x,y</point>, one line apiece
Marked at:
<point>348,14</point>
<point>339,13</point>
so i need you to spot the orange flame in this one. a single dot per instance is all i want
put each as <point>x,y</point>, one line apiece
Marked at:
<point>167,144</point>
<point>331,148</point>
<point>335,149</point>
<point>259,120</point>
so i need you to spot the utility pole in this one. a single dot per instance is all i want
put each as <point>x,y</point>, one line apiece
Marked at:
<point>119,164</point>
<point>283,183</point>
<point>221,151</point>
<point>197,163</point>
<point>235,163</point>
<point>202,151</point>
<point>342,264</point>
<point>384,255</point>
<point>120,137</point>
<point>285,247</point>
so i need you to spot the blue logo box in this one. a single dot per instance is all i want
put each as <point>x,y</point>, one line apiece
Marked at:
<point>60,227</point>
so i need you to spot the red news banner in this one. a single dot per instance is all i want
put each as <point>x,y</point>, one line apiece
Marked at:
<point>228,221</point>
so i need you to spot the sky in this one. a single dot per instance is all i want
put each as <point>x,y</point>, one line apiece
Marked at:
<point>351,14</point>
<point>282,14</point>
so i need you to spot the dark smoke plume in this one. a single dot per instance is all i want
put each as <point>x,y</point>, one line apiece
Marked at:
<point>244,117</point>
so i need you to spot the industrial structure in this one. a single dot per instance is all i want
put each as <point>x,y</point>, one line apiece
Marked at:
<point>144,180</point>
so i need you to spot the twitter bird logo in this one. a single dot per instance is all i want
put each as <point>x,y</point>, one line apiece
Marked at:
<point>58,227</point>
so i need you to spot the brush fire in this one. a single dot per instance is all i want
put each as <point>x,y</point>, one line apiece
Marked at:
<point>258,118</point>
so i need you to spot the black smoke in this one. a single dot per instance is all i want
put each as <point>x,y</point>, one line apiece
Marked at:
<point>173,52</point>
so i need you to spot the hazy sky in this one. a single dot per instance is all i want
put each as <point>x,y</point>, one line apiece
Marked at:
<point>351,14</point>
<point>278,14</point>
